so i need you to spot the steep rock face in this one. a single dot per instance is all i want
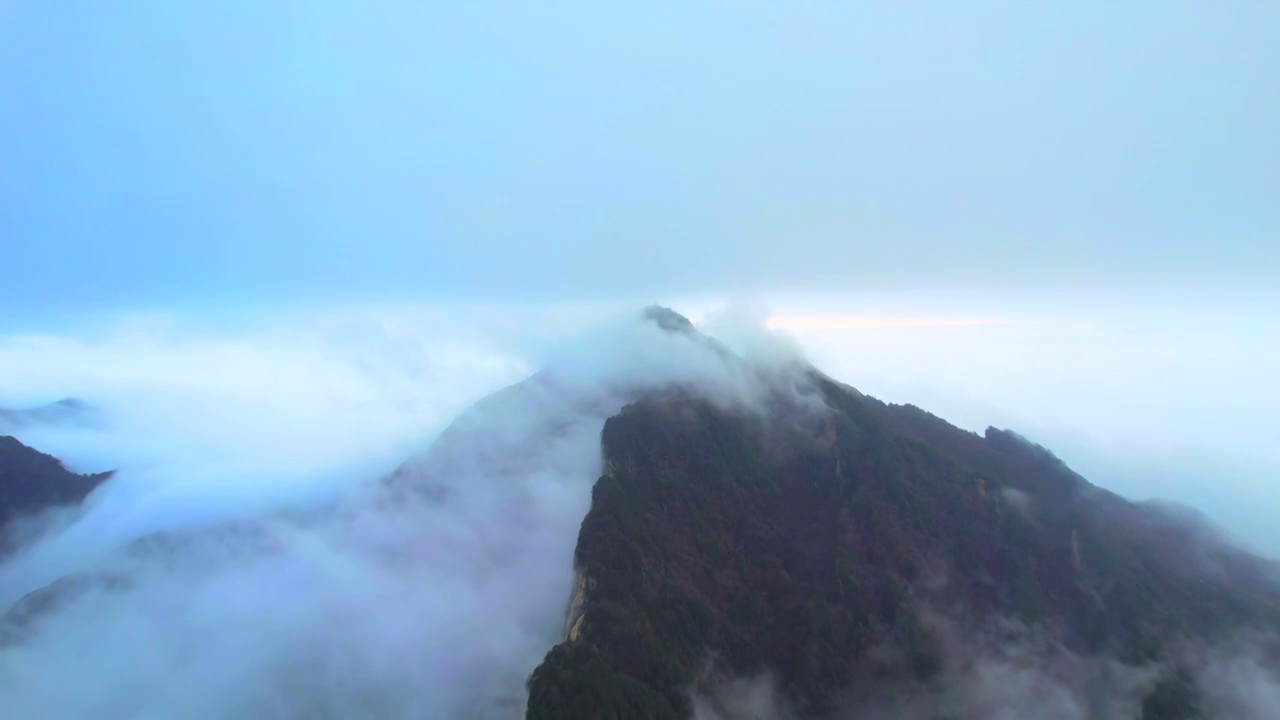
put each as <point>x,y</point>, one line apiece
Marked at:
<point>31,481</point>
<point>833,548</point>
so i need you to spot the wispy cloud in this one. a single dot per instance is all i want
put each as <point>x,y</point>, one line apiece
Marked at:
<point>396,604</point>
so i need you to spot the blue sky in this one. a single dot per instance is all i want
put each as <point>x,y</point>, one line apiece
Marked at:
<point>162,154</point>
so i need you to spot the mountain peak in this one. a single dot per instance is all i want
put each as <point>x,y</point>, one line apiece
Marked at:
<point>31,481</point>
<point>667,319</point>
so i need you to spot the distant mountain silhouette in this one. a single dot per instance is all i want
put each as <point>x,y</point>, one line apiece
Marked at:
<point>71,412</point>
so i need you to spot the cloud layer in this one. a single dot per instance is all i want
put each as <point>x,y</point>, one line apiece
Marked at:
<point>433,595</point>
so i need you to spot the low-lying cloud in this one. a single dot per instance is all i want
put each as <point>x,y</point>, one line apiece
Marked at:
<point>434,594</point>
<point>206,424</point>
<point>1010,671</point>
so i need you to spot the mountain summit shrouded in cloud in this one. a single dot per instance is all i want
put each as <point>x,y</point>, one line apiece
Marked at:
<point>433,593</point>
<point>731,534</point>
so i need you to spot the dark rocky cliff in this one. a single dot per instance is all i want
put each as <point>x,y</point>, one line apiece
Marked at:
<point>31,481</point>
<point>837,543</point>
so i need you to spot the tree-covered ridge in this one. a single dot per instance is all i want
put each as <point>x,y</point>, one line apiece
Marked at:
<point>818,544</point>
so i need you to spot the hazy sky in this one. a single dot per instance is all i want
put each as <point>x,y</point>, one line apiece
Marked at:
<point>185,188</point>
<point>155,154</point>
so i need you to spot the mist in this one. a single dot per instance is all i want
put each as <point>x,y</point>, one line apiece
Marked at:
<point>204,425</point>
<point>1007,670</point>
<point>285,585</point>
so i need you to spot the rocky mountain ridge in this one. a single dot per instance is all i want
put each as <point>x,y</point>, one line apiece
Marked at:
<point>32,482</point>
<point>839,545</point>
